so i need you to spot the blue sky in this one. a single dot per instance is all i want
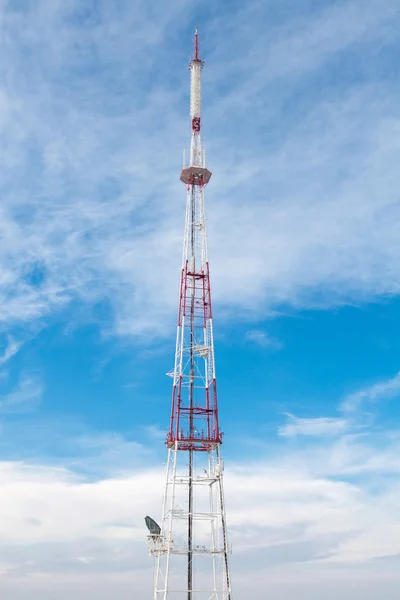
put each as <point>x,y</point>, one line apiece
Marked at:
<point>301,123</point>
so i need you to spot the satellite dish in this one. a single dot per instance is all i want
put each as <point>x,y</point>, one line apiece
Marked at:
<point>152,526</point>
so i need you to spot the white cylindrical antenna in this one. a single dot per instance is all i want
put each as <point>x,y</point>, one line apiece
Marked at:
<point>195,89</point>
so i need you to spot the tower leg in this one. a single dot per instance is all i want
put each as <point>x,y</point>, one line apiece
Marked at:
<point>190,528</point>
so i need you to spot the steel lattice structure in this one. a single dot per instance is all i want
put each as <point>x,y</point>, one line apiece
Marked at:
<point>191,547</point>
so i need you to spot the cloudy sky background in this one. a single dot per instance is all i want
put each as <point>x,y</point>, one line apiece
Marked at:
<point>302,127</point>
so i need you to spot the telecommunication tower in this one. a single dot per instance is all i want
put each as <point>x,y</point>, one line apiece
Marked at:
<point>191,546</point>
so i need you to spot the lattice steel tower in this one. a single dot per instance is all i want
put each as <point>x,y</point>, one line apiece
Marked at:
<point>191,548</point>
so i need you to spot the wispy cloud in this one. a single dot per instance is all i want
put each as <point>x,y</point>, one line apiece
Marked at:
<point>67,441</point>
<point>155,433</point>
<point>91,220</point>
<point>261,338</point>
<point>319,426</point>
<point>390,388</point>
<point>11,349</point>
<point>25,397</point>
<point>350,408</point>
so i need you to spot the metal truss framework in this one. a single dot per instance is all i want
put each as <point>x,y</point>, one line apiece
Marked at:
<point>192,550</point>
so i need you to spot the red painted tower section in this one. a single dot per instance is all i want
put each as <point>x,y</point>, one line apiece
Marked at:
<point>194,425</point>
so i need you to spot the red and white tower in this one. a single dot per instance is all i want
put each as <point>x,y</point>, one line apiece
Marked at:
<point>191,547</point>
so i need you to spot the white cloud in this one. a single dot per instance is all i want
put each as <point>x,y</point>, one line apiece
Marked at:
<point>93,218</point>
<point>320,426</point>
<point>155,433</point>
<point>68,442</point>
<point>304,524</point>
<point>11,349</point>
<point>73,509</point>
<point>387,389</point>
<point>25,397</point>
<point>306,214</point>
<point>351,421</point>
<point>261,338</point>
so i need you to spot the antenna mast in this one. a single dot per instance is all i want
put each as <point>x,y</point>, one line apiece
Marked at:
<point>191,549</point>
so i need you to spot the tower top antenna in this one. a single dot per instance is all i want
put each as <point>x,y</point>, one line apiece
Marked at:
<point>196,44</point>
